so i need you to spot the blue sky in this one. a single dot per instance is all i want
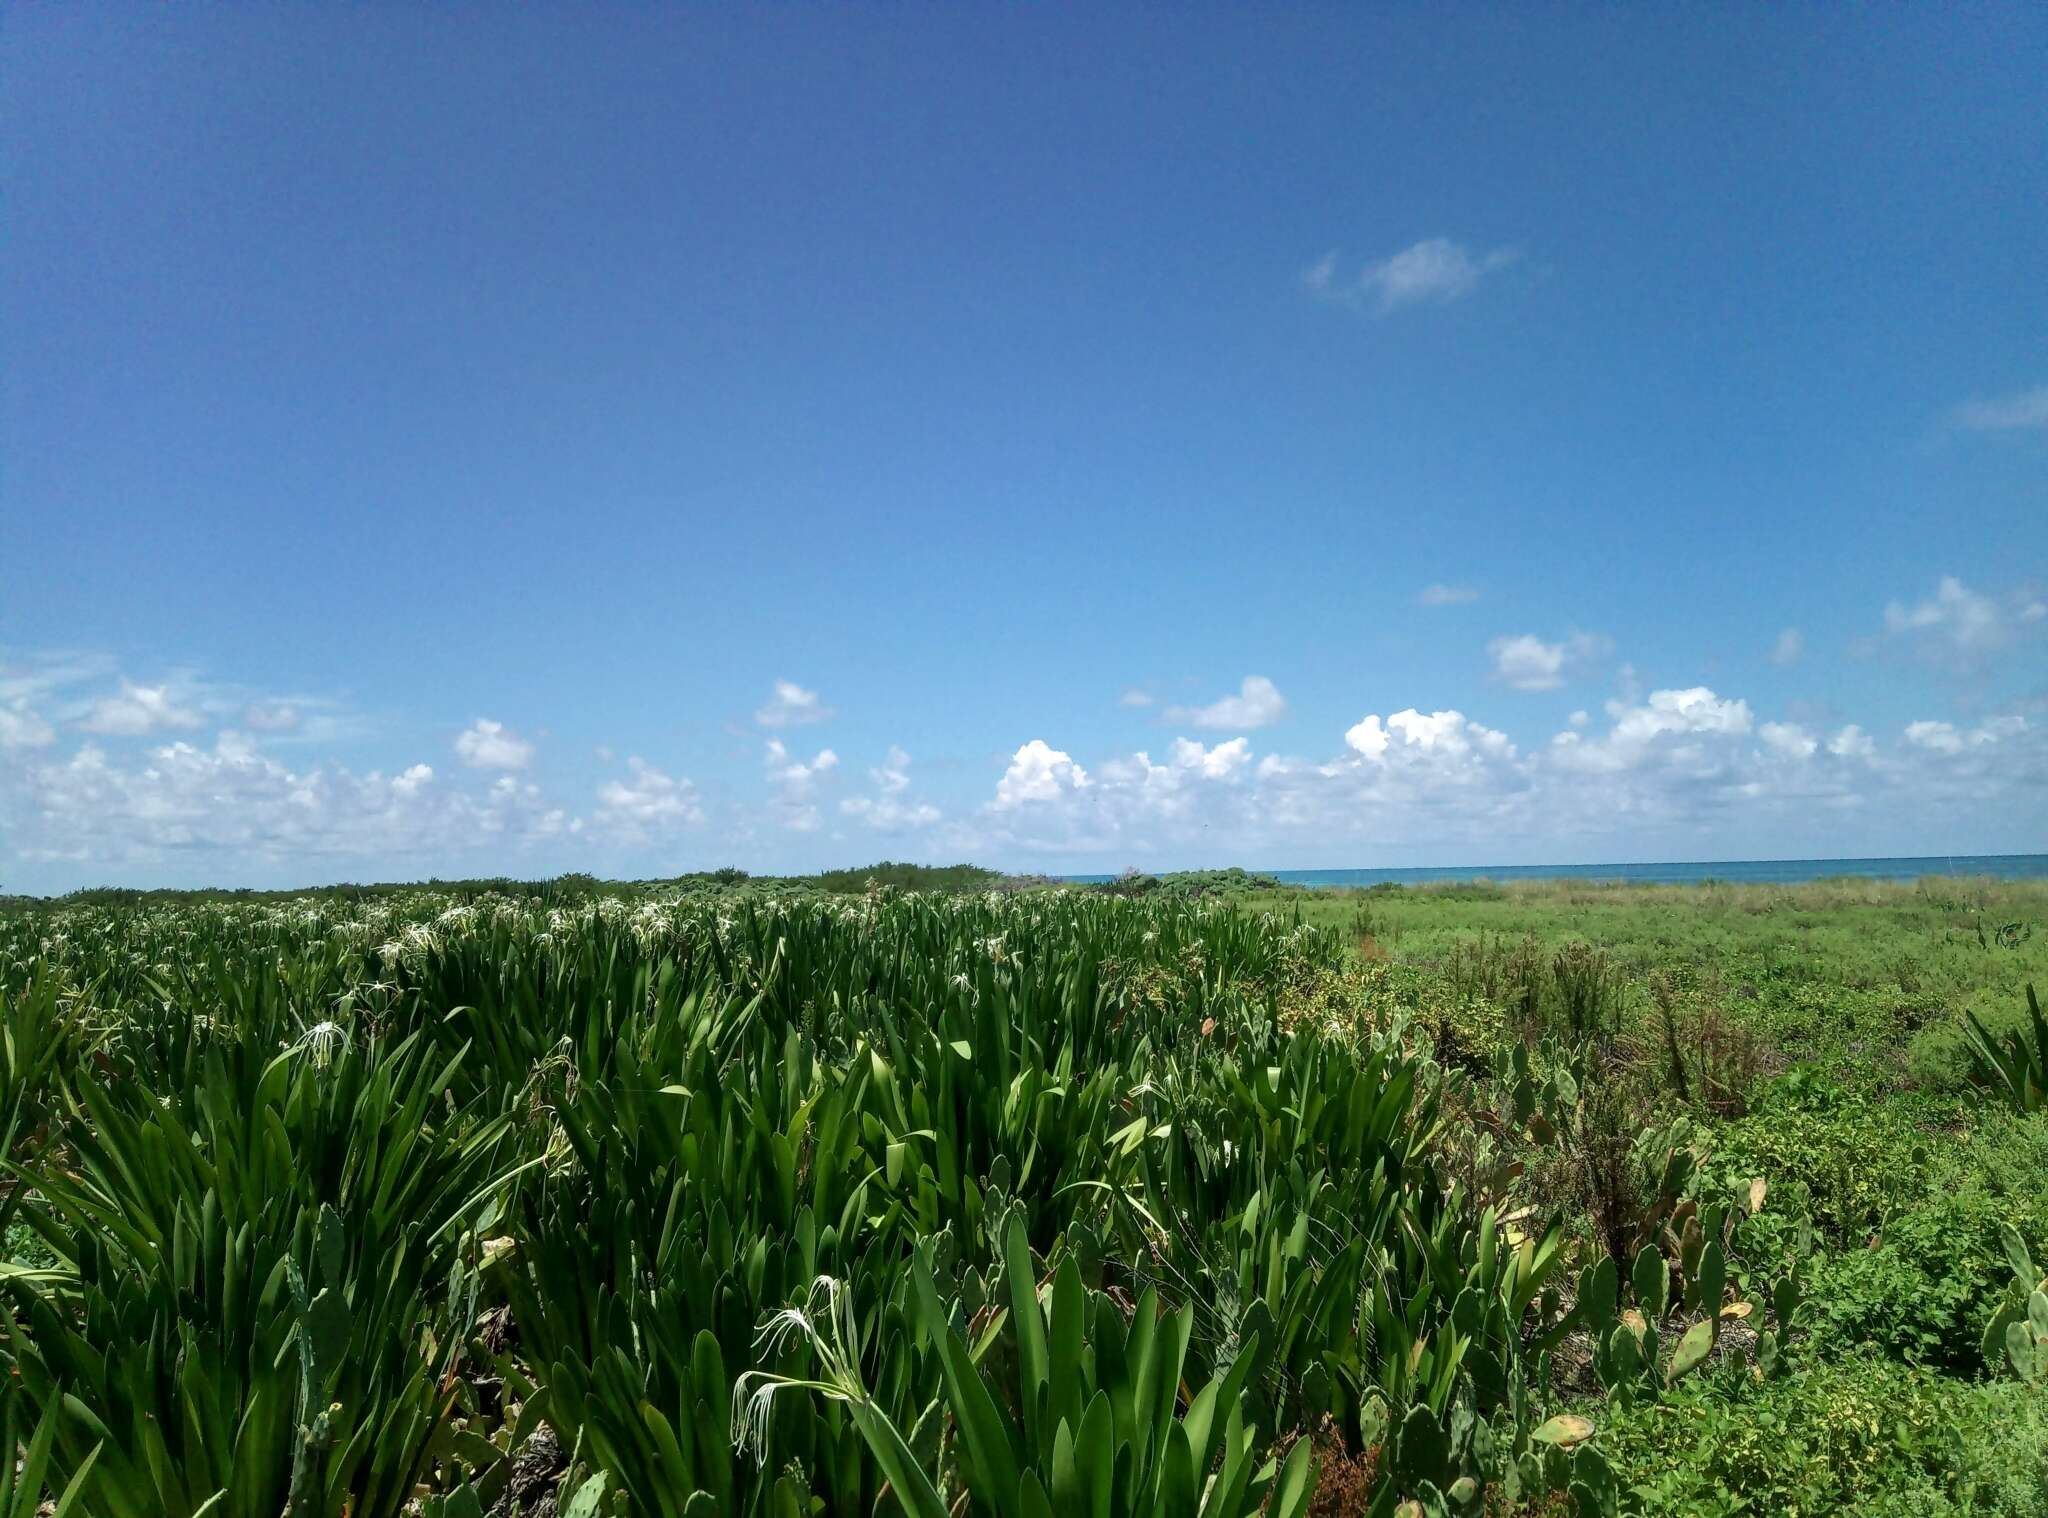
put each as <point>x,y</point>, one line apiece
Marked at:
<point>430,436</point>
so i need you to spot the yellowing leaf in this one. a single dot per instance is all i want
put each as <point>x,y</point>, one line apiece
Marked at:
<point>1565,1430</point>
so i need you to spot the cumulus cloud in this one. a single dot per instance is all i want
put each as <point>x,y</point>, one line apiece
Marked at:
<point>1676,768</point>
<point>1525,662</point>
<point>1447,595</point>
<point>1447,733</point>
<point>1258,703</point>
<point>1436,775</point>
<point>1433,271</point>
<point>1788,739</point>
<point>1851,742</point>
<point>1789,648</point>
<point>892,775</point>
<point>2025,411</point>
<point>1697,710</point>
<point>1047,803</point>
<point>646,803</point>
<point>1221,762</point>
<point>137,711</point>
<point>488,745</point>
<point>889,810</point>
<point>1691,771</point>
<point>1133,696</point>
<point>1963,629</point>
<point>1947,738</point>
<point>796,773</point>
<point>1528,663</point>
<point>791,706</point>
<point>231,800</point>
<point>794,780</point>
<point>1038,772</point>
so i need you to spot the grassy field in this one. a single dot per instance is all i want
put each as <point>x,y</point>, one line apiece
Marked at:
<point>1187,1196</point>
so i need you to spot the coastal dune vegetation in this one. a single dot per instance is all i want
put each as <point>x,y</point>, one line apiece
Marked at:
<point>931,1194</point>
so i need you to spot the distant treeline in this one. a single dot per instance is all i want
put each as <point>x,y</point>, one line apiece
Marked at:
<point>887,874</point>
<point>571,887</point>
<point>1190,883</point>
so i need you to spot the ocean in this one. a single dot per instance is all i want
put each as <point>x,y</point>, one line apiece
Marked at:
<point>1731,871</point>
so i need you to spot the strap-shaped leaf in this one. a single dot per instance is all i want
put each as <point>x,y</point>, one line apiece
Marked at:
<point>1027,1322</point>
<point>988,1437</point>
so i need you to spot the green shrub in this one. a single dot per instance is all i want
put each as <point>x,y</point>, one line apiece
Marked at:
<point>1925,1290</point>
<point>1860,1435</point>
<point>1857,1162</point>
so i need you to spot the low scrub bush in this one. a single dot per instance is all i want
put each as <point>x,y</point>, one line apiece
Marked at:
<point>1862,1435</point>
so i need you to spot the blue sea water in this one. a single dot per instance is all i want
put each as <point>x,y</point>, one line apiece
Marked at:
<point>1731,871</point>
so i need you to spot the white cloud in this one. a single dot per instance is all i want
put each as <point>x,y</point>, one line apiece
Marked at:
<point>1045,802</point>
<point>887,814</point>
<point>1528,663</point>
<point>1788,739</point>
<point>1947,738</point>
<point>1525,662</point>
<point>1436,775</point>
<point>137,711</point>
<point>35,677</point>
<point>646,802</point>
<point>1138,791</point>
<point>795,773</point>
<point>233,802</point>
<point>1448,734</point>
<point>488,745</point>
<point>1218,763</point>
<point>1688,771</point>
<point>1038,772</point>
<point>1435,270</point>
<point>1133,696</point>
<point>1851,742</point>
<point>1942,737</point>
<point>892,775</point>
<point>794,780</point>
<point>1447,595</point>
<point>1664,731</point>
<point>1961,629</point>
<point>791,706</point>
<point>1789,648</point>
<point>270,717</point>
<point>889,809</point>
<point>1671,773</point>
<point>1258,703</point>
<point>1697,710</point>
<point>20,727</point>
<point>2025,411</point>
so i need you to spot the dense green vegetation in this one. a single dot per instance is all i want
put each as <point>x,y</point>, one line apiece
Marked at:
<point>1191,884</point>
<point>749,1197</point>
<point>570,888</point>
